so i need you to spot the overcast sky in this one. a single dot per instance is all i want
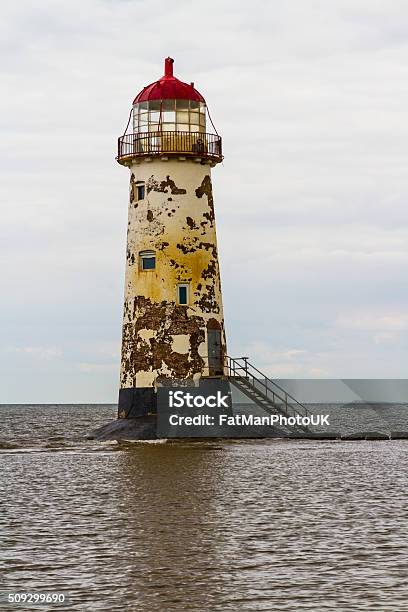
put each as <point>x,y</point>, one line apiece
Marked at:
<point>311,99</point>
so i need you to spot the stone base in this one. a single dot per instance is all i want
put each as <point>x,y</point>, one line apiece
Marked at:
<point>399,435</point>
<point>141,428</point>
<point>330,435</point>
<point>366,435</point>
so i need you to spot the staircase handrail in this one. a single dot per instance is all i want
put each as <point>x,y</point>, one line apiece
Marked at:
<point>245,368</point>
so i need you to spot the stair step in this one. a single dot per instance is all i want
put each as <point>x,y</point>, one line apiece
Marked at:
<point>255,392</point>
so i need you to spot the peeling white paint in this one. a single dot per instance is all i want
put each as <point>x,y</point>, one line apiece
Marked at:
<point>146,334</point>
<point>145,379</point>
<point>180,228</point>
<point>181,343</point>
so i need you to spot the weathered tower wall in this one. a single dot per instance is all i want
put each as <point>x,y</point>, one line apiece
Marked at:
<point>162,339</point>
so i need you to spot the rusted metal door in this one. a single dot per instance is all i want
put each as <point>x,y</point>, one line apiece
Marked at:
<point>215,356</point>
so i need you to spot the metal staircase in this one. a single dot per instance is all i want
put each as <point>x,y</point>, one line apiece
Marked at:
<point>267,394</point>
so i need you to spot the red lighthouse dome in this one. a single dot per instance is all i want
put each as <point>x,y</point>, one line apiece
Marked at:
<point>169,105</point>
<point>169,119</point>
<point>168,87</point>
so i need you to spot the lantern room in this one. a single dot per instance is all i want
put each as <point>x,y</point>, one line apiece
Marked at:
<point>169,117</point>
<point>173,115</point>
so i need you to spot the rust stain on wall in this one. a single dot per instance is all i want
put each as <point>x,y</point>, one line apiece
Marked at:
<point>162,340</point>
<point>167,321</point>
<point>211,270</point>
<point>191,223</point>
<point>132,188</point>
<point>164,186</point>
<point>163,245</point>
<point>206,189</point>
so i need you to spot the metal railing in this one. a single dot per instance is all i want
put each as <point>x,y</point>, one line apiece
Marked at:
<point>192,144</point>
<point>240,367</point>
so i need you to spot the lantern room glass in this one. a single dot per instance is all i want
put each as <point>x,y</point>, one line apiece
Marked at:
<point>169,116</point>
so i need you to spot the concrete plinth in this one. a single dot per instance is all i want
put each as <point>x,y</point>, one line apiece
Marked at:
<point>141,428</point>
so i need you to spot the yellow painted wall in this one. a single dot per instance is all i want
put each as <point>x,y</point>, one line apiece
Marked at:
<point>176,220</point>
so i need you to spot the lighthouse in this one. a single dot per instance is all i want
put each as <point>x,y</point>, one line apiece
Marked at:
<point>173,332</point>
<point>173,322</point>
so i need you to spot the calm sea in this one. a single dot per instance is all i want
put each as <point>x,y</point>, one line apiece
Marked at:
<point>201,526</point>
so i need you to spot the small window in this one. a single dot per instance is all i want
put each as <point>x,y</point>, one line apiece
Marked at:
<point>182,294</point>
<point>169,117</point>
<point>154,105</point>
<point>182,104</point>
<point>147,260</point>
<point>168,105</point>
<point>140,191</point>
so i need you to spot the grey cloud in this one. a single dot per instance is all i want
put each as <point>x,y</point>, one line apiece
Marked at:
<point>311,201</point>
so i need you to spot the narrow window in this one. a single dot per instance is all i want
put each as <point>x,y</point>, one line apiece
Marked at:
<point>140,191</point>
<point>182,294</point>
<point>147,260</point>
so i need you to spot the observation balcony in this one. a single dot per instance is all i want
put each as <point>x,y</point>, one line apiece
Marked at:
<point>196,145</point>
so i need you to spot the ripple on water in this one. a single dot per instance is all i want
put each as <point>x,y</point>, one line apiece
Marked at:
<point>203,526</point>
